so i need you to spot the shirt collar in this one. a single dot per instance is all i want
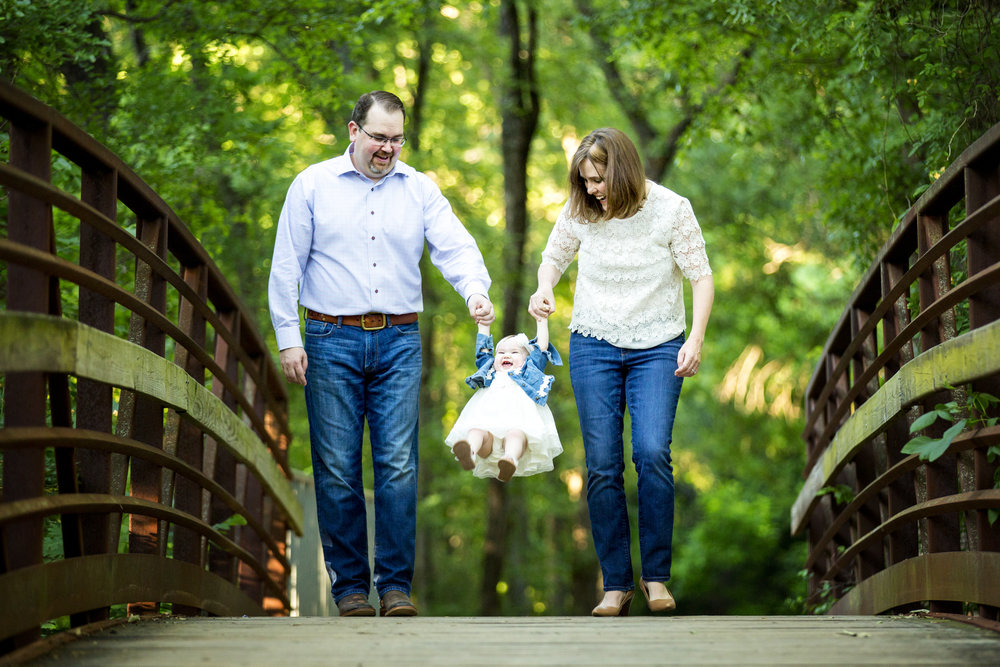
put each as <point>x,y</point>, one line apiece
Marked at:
<point>343,165</point>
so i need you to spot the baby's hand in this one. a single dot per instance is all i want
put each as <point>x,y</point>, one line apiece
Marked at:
<point>481,309</point>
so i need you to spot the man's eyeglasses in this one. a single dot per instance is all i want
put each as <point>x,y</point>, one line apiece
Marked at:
<point>396,142</point>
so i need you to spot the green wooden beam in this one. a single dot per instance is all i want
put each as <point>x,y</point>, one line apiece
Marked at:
<point>968,357</point>
<point>43,343</point>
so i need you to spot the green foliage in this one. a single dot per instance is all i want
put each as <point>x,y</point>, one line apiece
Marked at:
<point>841,493</point>
<point>973,412</point>
<point>820,601</point>
<point>39,36</point>
<point>227,524</point>
<point>878,96</point>
<point>993,456</point>
<point>801,130</point>
<point>738,547</point>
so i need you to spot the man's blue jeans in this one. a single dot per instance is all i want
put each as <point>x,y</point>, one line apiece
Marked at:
<point>354,375</point>
<point>605,380</point>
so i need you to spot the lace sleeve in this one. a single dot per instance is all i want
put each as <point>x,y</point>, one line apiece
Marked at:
<point>562,244</point>
<point>688,245</point>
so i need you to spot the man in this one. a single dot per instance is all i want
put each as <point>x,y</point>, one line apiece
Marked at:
<point>350,237</point>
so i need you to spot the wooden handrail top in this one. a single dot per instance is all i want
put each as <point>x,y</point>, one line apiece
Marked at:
<point>43,437</point>
<point>20,254</point>
<point>974,284</point>
<point>84,150</point>
<point>970,225</point>
<point>31,342</point>
<point>920,377</point>
<point>942,194</point>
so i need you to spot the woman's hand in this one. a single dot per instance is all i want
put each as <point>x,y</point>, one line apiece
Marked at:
<point>542,303</point>
<point>689,358</point>
<point>702,297</point>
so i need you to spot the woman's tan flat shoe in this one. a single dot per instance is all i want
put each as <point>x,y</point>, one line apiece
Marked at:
<point>657,604</point>
<point>620,610</point>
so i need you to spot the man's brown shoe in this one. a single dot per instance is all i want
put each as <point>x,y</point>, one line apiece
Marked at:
<point>355,604</point>
<point>397,603</point>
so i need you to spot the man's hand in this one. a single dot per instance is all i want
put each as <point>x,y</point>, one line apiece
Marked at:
<point>293,364</point>
<point>481,309</point>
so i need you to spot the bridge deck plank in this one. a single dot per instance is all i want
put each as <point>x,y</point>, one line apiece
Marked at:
<point>536,641</point>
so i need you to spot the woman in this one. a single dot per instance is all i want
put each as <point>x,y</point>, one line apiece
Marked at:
<point>636,241</point>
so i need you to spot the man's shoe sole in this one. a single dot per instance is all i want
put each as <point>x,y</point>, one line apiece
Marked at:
<point>360,611</point>
<point>401,610</point>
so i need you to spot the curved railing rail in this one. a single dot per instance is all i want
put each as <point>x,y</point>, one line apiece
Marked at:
<point>145,435</point>
<point>891,531</point>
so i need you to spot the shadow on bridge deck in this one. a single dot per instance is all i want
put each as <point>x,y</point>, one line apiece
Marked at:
<point>534,641</point>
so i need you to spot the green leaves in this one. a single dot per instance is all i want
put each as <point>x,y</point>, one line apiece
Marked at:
<point>841,493</point>
<point>993,455</point>
<point>930,449</point>
<point>226,525</point>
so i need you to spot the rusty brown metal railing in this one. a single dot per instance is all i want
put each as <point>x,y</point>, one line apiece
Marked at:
<point>888,531</point>
<point>137,432</point>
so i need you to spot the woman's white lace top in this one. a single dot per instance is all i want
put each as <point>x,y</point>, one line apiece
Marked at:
<point>629,283</point>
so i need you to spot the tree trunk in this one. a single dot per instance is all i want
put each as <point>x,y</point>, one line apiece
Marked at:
<point>424,575</point>
<point>519,110</point>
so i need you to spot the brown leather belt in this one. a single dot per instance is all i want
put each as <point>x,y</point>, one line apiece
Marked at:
<point>368,322</point>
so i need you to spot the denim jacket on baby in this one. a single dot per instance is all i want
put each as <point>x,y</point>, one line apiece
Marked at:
<point>530,377</point>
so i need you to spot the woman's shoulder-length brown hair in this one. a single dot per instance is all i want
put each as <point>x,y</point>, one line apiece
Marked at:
<point>615,157</point>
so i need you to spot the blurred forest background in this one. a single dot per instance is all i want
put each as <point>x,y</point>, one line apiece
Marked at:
<point>800,131</point>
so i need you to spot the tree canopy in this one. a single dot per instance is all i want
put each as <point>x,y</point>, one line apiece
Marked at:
<point>800,131</point>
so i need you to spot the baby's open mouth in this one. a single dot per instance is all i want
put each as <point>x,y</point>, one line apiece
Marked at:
<point>506,364</point>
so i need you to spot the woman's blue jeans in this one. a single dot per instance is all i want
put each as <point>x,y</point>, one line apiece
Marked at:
<point>352,376</point>
<point>605,380</point>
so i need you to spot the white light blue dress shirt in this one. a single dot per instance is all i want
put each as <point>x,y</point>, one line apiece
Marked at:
<point>347,245</point>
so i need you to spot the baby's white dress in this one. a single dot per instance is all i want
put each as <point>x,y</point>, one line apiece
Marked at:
<point>501,406</point>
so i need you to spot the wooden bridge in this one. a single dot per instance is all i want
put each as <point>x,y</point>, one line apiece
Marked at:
<point>141,420</point>
<point>641,640</point>
<point>144,422</point>
<point>890,529</point>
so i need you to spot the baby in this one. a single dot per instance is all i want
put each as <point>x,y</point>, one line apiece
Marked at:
<point>508,408</point>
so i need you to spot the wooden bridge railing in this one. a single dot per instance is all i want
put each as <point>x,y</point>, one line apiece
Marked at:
<point>144,432</point>
<point>886,530</point>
